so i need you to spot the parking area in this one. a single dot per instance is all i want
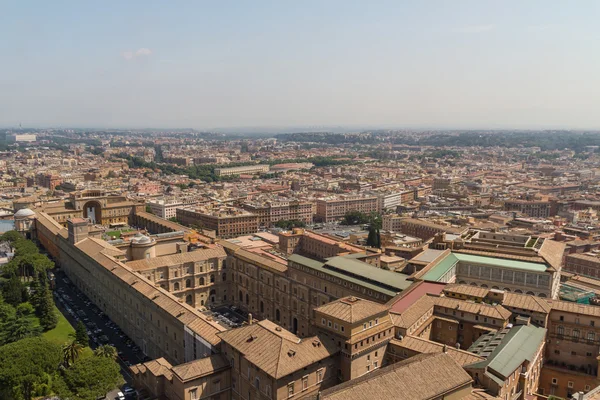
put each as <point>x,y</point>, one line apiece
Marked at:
<point>228,316</point>
<point>76,307</point>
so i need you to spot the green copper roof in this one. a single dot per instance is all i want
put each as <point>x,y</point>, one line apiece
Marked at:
<point>501,262</point>
<point>436,273</point>
<point>509,348</point>
<point>357,272</point>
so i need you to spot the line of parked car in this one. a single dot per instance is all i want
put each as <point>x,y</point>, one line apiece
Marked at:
<point>102,334</point>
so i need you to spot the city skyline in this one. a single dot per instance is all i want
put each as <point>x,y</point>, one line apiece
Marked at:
<point>229,66</point>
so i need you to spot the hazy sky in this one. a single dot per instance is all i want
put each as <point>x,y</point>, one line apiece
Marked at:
<point>452,63</point>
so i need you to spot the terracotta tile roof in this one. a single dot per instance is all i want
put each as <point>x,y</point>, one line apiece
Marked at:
<point>421,345</point>
<point>413,313</point>
<point>486,310</point>
<point>177,259</point>
<point>158,367</point>
<point>526,302</point>
<point>352,309</point>
<point>426,376</point>
<point>576,308</point>
<point>466,290</point>
<point>51,224</point>
<point>552,252</point>
<point>201,367</point>
<point>186,314</point>
<point>276,351</point>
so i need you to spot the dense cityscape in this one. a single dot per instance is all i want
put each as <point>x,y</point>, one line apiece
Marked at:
<point>186,264</point>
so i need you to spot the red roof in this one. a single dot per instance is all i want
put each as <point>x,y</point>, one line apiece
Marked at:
<point>407,298</point>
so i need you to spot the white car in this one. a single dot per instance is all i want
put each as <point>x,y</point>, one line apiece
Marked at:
<point>120,396</point>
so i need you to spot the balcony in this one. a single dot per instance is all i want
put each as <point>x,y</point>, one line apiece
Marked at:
<point>572,369</point>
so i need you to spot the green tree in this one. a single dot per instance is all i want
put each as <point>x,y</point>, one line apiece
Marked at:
<point>372,238</point>
<point>355,218</point>
<point>71,352</point>
<point>25,309</point>
<point>25,366</point>
<point>46,311</point>
<point>89,378</point>
<point>11,236</point>
<point>12,290</point>
<point>81,335</point>
<point>18,327</point>
<point>106,350</point>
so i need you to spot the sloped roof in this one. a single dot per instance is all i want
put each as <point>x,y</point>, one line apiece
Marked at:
<point>275,350</point>
<point>198,368</point>
<point>487,310</point>
<point>426,376</point>
<point>422,345</point>
<point>352,309</point>
<point>515,345</point>
<point>177,259</point>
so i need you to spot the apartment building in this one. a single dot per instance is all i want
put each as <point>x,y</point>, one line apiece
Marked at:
<point>587,264</point>
<point>166,208</point>
<point>226,221</point>
<point>49,181</point>
<point>248,169</point>
<point>532,208</point>
<point>198,277</point>
<point>422,228</point>
<point>334,209</point>
<point>305,242</point>
<point>269,212</point>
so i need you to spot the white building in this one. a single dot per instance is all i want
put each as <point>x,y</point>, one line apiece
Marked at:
<point>166,208</point>
<point>21,138</point>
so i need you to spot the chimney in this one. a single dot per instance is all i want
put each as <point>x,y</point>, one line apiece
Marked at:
<point>445,349</point>
<point>250,319</point>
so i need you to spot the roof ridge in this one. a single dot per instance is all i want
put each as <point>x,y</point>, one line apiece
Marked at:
<point>280,355</point>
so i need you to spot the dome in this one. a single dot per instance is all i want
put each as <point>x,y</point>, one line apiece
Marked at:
<point>138,238</point>
<point>24,213</point>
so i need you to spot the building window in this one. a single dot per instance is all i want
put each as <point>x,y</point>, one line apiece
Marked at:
<point>342,328</point>
<point>305,383</point>
<point>290,389</point>
<point>554,381</point>
<point>257,383</point>
<point>193,394</point>
<point>560,330</point>
<point>329,324</point>
<point>570,384</point>
<point>587,388</point>
<point>320,375</point>
<point>591,336</point>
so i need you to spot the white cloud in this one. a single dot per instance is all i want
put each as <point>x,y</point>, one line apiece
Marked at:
<point>476,28</point>
<point>141,52</point>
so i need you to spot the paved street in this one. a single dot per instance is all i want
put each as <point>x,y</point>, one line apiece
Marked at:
<point>76,306</point>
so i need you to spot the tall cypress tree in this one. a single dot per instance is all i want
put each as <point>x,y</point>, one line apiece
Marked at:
<point>81,335</point>
<point>45,308</point>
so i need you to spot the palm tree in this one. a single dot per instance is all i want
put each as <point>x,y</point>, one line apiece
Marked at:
<point>71,352</point>
<point>106,350</point>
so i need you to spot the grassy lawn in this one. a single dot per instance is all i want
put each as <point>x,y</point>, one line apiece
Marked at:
<point>60,334</point>
<point>116,234</point>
